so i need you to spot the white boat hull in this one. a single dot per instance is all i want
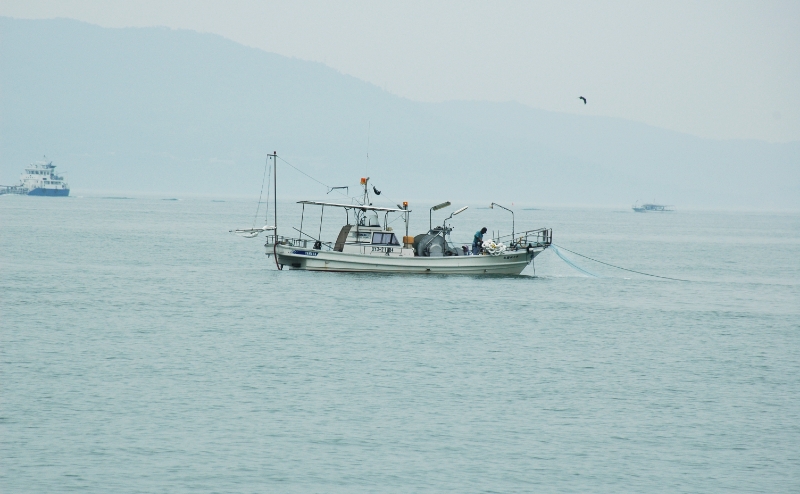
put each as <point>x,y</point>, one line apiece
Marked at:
<point>509,263</point>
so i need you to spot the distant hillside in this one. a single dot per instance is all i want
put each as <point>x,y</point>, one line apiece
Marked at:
<point>159,110</point>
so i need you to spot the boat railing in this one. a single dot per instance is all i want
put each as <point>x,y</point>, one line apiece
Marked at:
<point>12,189</point>
<point>542,237</point>
<point>305,243</point>
<point>300,243</point>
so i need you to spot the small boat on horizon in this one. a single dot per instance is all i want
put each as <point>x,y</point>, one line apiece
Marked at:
<point>653,208</point>
<point>39,179</point>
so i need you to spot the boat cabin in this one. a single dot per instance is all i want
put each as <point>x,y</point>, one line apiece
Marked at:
<point>365,234</point>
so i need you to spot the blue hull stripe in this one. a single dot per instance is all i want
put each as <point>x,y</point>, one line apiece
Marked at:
<point>49,192</point>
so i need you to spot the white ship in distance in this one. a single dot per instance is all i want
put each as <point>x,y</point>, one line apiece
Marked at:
<point>39,179</point>
<point>653,208</point>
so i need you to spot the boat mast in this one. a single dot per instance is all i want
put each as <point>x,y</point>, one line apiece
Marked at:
<point>364,182</point>
<point>405,206</point>
<point>275,189</point>
<point>275,209</point>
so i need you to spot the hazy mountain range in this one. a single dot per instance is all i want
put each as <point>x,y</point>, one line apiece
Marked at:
<point>165,111</point>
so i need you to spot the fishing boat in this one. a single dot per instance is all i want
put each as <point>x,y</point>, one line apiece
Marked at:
<point>367,243</point>
<point>652,208</point>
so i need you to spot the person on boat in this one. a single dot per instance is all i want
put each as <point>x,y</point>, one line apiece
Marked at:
<point>477,241</point>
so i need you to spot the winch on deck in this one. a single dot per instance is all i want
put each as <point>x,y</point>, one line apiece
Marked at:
<point>434,244</point>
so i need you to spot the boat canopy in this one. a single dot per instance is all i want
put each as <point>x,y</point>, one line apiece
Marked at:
<point>355,206</point>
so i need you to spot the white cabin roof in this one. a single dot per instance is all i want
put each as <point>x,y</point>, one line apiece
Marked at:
<point>355,206</point>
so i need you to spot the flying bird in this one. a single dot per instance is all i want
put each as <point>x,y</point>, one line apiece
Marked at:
<point>582,98</point>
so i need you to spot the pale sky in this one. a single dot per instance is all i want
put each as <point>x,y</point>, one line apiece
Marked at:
<point>723,70</point>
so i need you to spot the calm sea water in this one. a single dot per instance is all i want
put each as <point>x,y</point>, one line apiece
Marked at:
<point>146,349</point>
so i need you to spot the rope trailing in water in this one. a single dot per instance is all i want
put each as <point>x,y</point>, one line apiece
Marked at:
<point>572,264</point>
<point>275,253</point>
<point>612,265</point>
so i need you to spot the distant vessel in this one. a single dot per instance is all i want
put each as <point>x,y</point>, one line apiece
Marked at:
<point>39,179</point>
<point>652,208</point>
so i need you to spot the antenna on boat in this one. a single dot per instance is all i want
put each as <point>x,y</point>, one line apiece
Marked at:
<point>366,166</point>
